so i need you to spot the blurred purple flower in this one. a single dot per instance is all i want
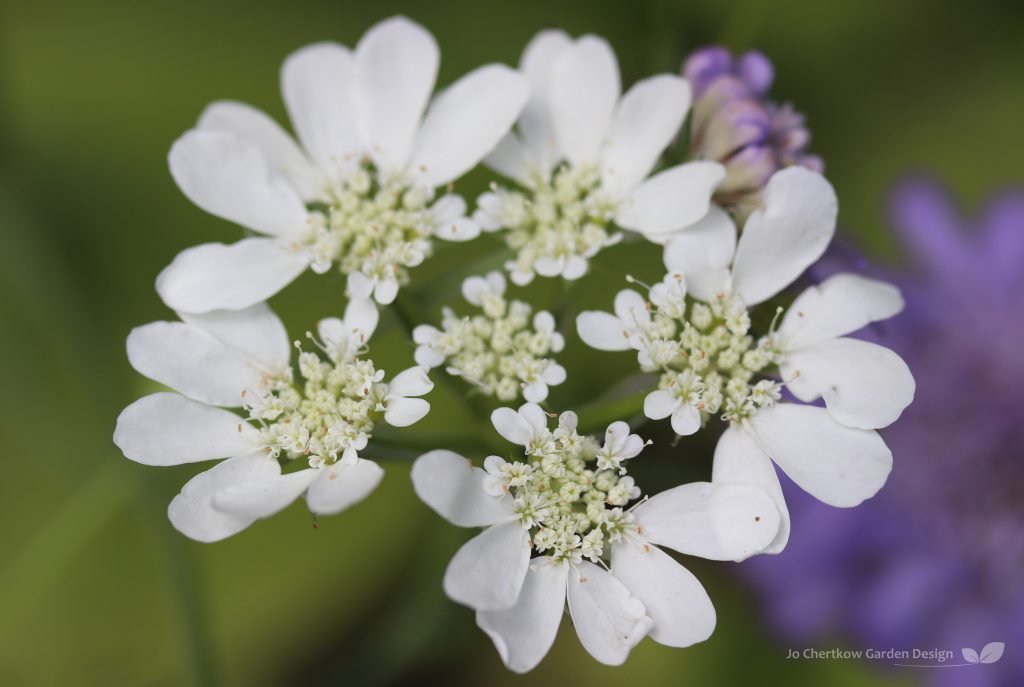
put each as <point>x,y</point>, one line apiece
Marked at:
<point>936,560</point>
<point>735,124</point>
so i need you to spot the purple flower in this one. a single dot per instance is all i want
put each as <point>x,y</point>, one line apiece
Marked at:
<point>735,124</point>
<point>936,560</point>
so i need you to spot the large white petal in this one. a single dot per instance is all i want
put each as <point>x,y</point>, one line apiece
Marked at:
<point>487,573</point>
<point>836,464</point>
<point>169,429</point>
<point>631,308</point>
<point>840,305</point>
<point>739,460</point>
<point>189,360</point>
<point>702,253</point>
<point>512,426</point>
<point>450,485</point>
<point>789,232</point>
<point>192,512</point>
<point>411,382</point>
<point>510,158</point>
<point>523,633</point>
<point>342,485</point>
<point>466,121</point>
<point>256,127</point>
<point>719,522</point>
<point>646,120</point>
<point>672,199</point>
<point>582,90</point>
<point>396,67</point>
<point>316,83</point>
<point>261,498</point>
<point>255,332</point>
<point>608,619</point>
<point>402,412</point>
<point>674,599</point>
<point>602,331</point>
<point>232,178</point>
<point>361,318</point>
<point>215,276</point>
<point>659,404</point>
<point>536,123</point>
<point>863,384</point>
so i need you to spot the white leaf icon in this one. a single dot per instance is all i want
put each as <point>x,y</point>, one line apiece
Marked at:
<point>992,652</point>
<point>970,655</point>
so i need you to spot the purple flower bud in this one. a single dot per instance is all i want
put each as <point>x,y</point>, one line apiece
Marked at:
<point>735,124</point>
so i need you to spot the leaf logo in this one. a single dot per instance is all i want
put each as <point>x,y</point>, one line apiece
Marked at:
<point>990,653</point>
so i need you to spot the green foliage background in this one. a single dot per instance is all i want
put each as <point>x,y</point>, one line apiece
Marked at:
<point>97,588</point>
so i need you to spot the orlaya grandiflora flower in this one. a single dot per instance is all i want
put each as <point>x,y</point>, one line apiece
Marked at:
<point>496,350</point>
<point>240,360</point>
<point>359,191</point>
<point>710,363</point>
<point>582,158</point>
<point>557,532</point>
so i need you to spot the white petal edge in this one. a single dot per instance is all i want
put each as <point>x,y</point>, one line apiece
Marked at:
<point>609,620</point>
<point>452,487</point>
<point>487,573</point>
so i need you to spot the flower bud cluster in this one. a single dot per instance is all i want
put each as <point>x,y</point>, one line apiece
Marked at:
<point>708,358</point>
<point>370,224</point>
<point>569,491</point>
<point>555,225</point>
<point>504,349</point>
<point>330,413</point>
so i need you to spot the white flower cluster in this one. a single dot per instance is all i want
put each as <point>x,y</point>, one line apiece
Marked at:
<point>698,336</point>
<point>554,226</point>
<point>497,351</point>
<point>357,188</point>
<point>556,531</point>
<point>240,360</point>
<point>582,158</point>
<point>375,229</point>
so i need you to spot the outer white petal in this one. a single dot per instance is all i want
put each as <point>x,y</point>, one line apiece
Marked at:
<point>316,82</point>
<point>631,307</point>
<point>450,485</point>
<point>836,464</point>
<point>535,392</point>
<point>608,619</point>
<point>256,127</point>
<point>402,412</point>
<point>685,420</point>
<point>554,374</point>
<point>739,460</point>
<point>840,305</point>
<point>487,573</point>
<point>396,67</point>
<point>672,199</point>
<point>342,485</point>
<point>782,239</point>
<point>534,416</point>
<point>189,360</point>
<point>603,331</point>
<point>702,254</point>
<point>715,521</point>
<point>255,332</point>
<point>385,291</point>
<point>659,404</point>
<point>536,123</point>
<point>510,158</point>
<point>523,633</point>
<point>466,121</point>
<point>261,498</point>
<point>192,512</point>
<point>232,178</point>
<point>674,599</point>
<point>582,91</point>
<point>411,382</point>
<point>361,318</point>
<point>215,276</point>
<point>428,357</point>
<point>512,426</point>
<point>169,429</point>
<point>646,120</point>
<point>863,384</point>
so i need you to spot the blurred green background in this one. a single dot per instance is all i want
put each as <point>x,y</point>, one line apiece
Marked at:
<point>95,585</point>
